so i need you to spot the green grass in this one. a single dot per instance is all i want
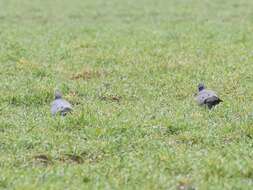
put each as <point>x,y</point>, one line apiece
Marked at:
<point>130,68</point>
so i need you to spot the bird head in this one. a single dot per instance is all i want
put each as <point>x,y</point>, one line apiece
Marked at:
<point>201,86</point>
<point>57,94</point>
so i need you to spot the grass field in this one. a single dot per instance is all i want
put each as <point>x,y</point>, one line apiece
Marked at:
<point>131,69</point>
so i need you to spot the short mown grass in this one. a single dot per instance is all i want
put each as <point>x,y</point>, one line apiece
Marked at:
<point>130,69</point>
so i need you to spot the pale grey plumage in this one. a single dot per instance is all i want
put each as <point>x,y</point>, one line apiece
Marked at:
<point>59,105</point>
<point>207,97</point>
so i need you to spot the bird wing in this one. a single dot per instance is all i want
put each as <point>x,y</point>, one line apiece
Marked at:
<point>204,95</point>
<point>59,106</point>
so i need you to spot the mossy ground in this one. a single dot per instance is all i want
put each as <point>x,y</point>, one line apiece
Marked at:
<point>130,68</point>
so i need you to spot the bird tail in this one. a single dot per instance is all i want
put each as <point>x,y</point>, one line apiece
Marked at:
<point>65,111</point>
<point>212,101</point>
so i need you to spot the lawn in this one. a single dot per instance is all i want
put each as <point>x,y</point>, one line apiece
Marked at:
<point>131,69</point>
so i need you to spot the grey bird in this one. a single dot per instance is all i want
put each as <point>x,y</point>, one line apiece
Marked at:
<point>206,97</point>
<point>59,105</point>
